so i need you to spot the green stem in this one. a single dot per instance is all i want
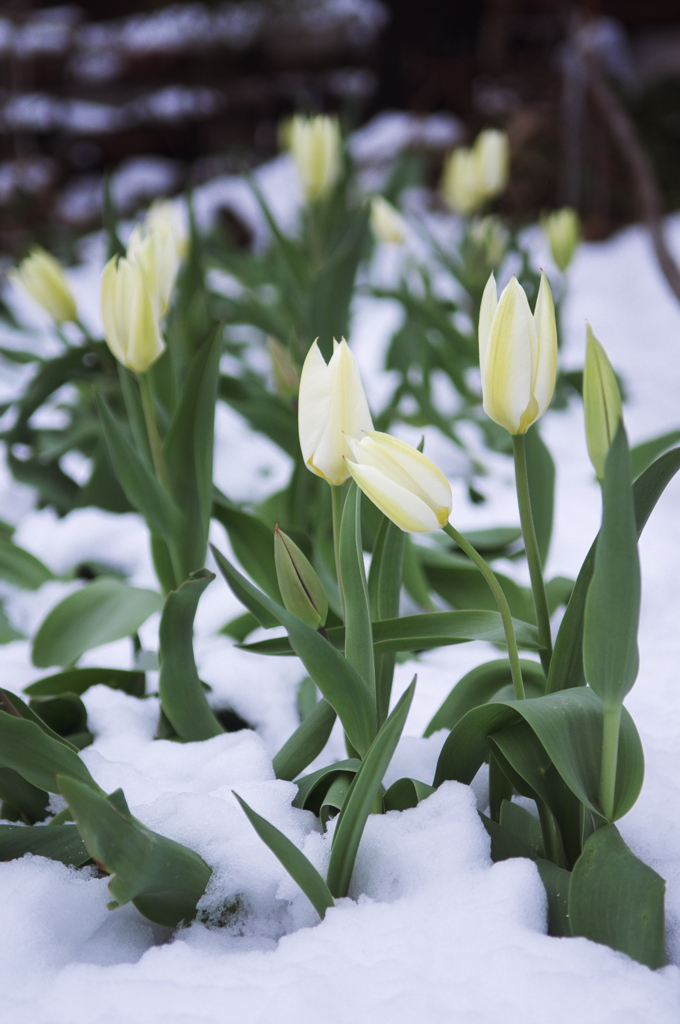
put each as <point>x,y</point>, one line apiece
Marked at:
<point>152,429</point>
<point>531,547</point>
<point>499,597</point>
<point>610,756</point>
<point>337,504</point>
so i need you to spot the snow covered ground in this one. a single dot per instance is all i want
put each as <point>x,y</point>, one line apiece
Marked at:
<point>439,934</point>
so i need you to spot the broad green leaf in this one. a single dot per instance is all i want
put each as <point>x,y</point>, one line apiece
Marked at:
<point>64,713</point>
<point>103,611</point>
<point>358,633</point>
<point>617,900</point>
<point>612,613</point>
<point>294,861</point>
<point>306,743</point>
<point>642,455</point>
<point>384,589</point>
<point>78,680</point>
<point>541,476</point>
<point>556,882</point>
<point>341,685</point>
<point>138,480</point>
<point>361,798</point>
<point>188,450</point>
<point>335,796</point>
<point>569,726</point>
<point>405,793</point>
<point>58,842</point>
<point>566,667</point>
<point>458,581</point>
<point>422,632</point>
<point>16,707</point>
<point>182,698</point>
<point>479,686</point>
<point>21,801</point>
<point>253,544</point>
<point>524,825</point>
<point>313,788</point>
<point>21,568</point>
<point>163,879</point>
<point>27,749</point>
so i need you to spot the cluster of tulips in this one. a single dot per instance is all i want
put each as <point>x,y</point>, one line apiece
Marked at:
<point>552,730</point>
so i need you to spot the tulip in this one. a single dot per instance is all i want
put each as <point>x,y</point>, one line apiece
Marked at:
<point>332,407</point>
<point>601,402</point>
<point>387,224</point>
<point>42,278</point>
<point>405,485</point>
<point>159,251</point>
<point>517,354</point>
<point>316,147</point>
<point>301,589</point>
<point>130,314</point>
<point>492,152</point>
<point>460,182</point>
<point>563,232</point>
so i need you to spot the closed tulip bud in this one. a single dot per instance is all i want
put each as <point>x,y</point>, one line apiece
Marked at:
<point>563,232</point>
<point>387,224</point>
<point>517,354</point>
<point>301,589</point>
<point>158,252</point>
<point>41,277</point>
<point>601,402</point>
<point>461,182</point>
<point>405,485</point>
<point>492,152</point>
<point>130,315</point>
<point>316,146</point>
<point>284,371</point>
<point>332,407</point>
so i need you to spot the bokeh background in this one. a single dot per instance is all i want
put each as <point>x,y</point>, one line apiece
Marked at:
<point>160,98</point>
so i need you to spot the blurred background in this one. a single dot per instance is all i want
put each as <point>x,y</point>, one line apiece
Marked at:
<point>159,98</point>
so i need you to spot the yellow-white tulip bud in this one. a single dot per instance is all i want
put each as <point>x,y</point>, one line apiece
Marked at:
<point>405,485</point>
<point>332,408</point>
<point>316,147</point>
<point>159,251</point>
<point>387,223</point>
<point>492,152</point>
<point>517,354</point>
<point>301,589</point>
<point>42,278</point>
<point>130,315</point>
<point>601,402</point>
<point>563,232</point>
<point>461,182</point>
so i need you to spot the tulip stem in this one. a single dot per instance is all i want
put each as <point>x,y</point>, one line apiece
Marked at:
<point>499,597</point>
<point>337,504</point>
<point>526,519</point>
<point>152,428</point>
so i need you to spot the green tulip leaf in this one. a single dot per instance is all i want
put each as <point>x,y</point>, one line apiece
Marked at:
<point>37,755</point>
<point>21,568</point>
<point>78,680</point>
<point>566,667</point>
<point>568,725</point>
<point>612,611</point>
<point>481,685</point>
<point>138,480</point>
<point>617,900</point>
<point>384,589</point>
<point>406,793</point>
<point>163,879</point>
<point>306,743</point>
<point>339,682</point>
<point>99,613</point>
<point>58,842</point>
<point>313,788</point>
<point>294,861</point>
<point>541,476</point>
<point>183,700</point>
<point>252,542</point>
<point>642,455</point>
<point>362,795</point>
<point>358,633</point>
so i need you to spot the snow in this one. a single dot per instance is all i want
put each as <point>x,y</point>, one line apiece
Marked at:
<point>434,931</point>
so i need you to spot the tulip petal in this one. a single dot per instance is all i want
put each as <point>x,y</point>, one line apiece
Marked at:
<point>510,357</point>
<point>546,331</point>
<point>487,310</point>
<point>407,467</point>
<point>407,511</point>
<point>314,399</point>
<point>108,306</point>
